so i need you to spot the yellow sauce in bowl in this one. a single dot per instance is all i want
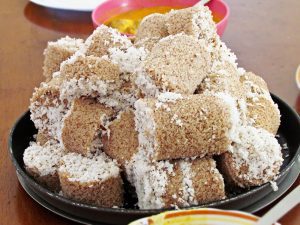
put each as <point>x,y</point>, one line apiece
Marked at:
<point>129,21</point>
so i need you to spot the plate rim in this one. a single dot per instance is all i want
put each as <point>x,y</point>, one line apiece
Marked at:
<point>49,4</point>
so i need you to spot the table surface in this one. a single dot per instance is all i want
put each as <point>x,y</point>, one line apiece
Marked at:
<point>264,34</point>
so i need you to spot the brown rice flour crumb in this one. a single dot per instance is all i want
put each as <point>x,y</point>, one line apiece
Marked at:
<point>42,163</point>
<point>229,84</point>
<point>103,38</point>
<point>261,85</point>
<point>153,25</point>
<point>147,43</point>
<point>46,108</point>
<point>254,160</point>
<point>121,140</point>
<point>57,52</point>
<point>177,183</point>
<point>177,63</point>
<point>262,112</point>
<point>178,126</point>
<point>82,125</point>
<point>95,180</point>
<point>42,138</point>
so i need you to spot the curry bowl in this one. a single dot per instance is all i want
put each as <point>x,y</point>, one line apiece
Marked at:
<point>200,216</point>
<point>110,8</point>
<point>22,134</point>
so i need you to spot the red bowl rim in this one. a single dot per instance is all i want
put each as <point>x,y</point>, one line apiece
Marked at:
<point>220,23</point>
<point>227,13</point>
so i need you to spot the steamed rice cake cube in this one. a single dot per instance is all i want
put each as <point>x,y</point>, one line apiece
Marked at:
<point>46,108</point>
<point>176,126</point>
<point>195,21</point>
<point>153,25</point>
<point>120,142</point>
<point>198,22</point>
<point>255,158</point>
<point>195,182</point>
<point>88,76</point>
<point>178,183</point>
<point>42,162</point>
<point>57,52</point>
<point>178,63</point>
<point>83,124</point>
<point>103,38</point>
<point>94,180</point>
<point>48,92</point>
<point>81,66</point>
<point>208,182</point>
<point>262,112</point>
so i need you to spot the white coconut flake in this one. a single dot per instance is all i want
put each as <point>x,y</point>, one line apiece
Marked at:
<point>274,185</point>
<point>48,116</point>
<point>202,21</point>
<point>145,126</point>
<point>83,169</point>
<point>128,60</point>
<point>150,180</point>
<point>76,88</point>
<point>241,71</point>
<point>146,84</point>
<point>175,119</point>
<point>43,159</point>
<point>188,191</point>
<point>71,44</point>
<point>234,113</point>
<point>169,97</point>
<point>259,151</point>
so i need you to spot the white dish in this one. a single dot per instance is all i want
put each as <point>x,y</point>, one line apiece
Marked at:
<point>77,5</point>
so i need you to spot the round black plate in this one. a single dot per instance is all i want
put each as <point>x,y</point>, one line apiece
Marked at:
<point>23,131</point>
<point>268,199</point>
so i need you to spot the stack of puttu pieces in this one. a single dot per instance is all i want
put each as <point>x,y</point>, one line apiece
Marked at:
<point>171,112</point>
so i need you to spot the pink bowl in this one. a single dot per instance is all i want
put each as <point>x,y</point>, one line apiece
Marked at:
<point>111,8</point>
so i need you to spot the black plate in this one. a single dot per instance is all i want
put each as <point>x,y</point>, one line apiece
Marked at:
<point>23,131</point>
<point>291,177</point>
